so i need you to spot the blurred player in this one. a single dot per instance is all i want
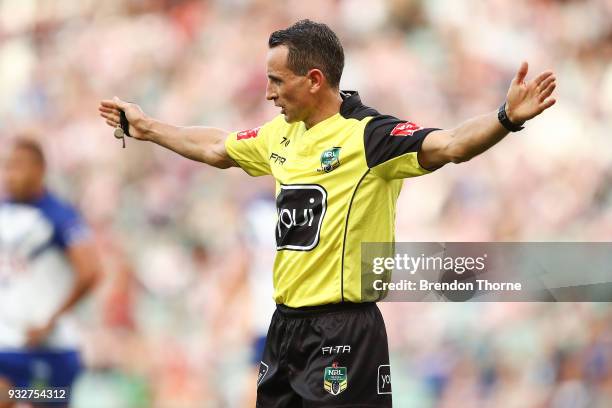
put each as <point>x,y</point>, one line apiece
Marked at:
<point>260,217</point>
<point>47,265</point>
<point>338,166</point>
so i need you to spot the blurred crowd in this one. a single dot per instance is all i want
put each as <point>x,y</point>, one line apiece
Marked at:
<point>169,324</point>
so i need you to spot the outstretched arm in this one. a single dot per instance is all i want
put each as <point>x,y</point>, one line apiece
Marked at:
<point>524,101</point>
<point>203,144</point>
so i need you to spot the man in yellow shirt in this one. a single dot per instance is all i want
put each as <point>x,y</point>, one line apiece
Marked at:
<point>338,166</point>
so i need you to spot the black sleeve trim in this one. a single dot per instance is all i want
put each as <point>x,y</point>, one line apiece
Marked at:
<point>385,139</point>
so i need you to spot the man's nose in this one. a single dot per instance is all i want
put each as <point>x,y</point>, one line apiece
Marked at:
<point>270,93</point>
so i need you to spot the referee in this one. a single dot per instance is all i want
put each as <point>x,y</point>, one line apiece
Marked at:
<point>338,166</point>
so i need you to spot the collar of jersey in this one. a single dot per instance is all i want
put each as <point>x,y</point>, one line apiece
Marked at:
<point>350,101</point>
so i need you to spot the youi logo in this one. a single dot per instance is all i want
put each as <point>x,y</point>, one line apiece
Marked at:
<point>301,209</point>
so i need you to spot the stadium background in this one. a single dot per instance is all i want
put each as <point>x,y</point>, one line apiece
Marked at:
<point>169,326</point>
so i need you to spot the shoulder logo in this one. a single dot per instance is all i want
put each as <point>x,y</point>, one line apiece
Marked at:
<point>247,134</point>
<point>330,160</point>
<point>335,379</point>
<point>405,129</point>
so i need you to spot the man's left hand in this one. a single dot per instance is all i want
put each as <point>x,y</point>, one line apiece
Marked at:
<point>526,100</point>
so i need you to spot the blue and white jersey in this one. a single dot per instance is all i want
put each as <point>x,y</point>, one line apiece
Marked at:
<point>260,223</point>
<point>35,275</point>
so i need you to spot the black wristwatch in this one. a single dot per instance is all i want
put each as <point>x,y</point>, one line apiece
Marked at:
<point>502,116</point>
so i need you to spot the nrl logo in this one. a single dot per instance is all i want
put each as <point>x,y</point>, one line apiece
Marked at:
<point>330,159</point>
<point>335,379</point>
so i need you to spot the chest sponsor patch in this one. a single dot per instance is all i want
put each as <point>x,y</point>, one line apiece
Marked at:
<point>405,129</point>
<point>301,209</point>
<point>247,134</point>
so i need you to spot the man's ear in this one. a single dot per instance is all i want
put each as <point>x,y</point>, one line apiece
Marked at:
<point>316,78</point>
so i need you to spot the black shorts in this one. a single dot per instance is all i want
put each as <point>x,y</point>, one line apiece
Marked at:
<point>325,356</point>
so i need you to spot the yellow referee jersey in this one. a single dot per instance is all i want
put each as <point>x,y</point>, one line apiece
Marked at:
<point>337,185</point>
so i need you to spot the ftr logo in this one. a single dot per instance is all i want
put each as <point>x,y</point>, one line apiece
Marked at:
<point>277,159</point>
<point>301,209</point>
<point>336,349</point>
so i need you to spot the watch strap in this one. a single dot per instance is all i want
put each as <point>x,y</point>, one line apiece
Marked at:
<point>502,116</point>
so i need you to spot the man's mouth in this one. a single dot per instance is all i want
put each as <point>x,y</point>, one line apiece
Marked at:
<point>282,108</point>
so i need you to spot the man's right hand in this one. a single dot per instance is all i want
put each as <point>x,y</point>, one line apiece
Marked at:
<point>203,144</point>
<point>109,110</point>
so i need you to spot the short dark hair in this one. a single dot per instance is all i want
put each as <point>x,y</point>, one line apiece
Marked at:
<point>32,146</point>
<point>311,45</point>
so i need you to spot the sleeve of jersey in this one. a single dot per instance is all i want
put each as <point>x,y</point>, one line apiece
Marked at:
<point>70,227</point>
<point>392,145</point>
<point>249,148</point>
